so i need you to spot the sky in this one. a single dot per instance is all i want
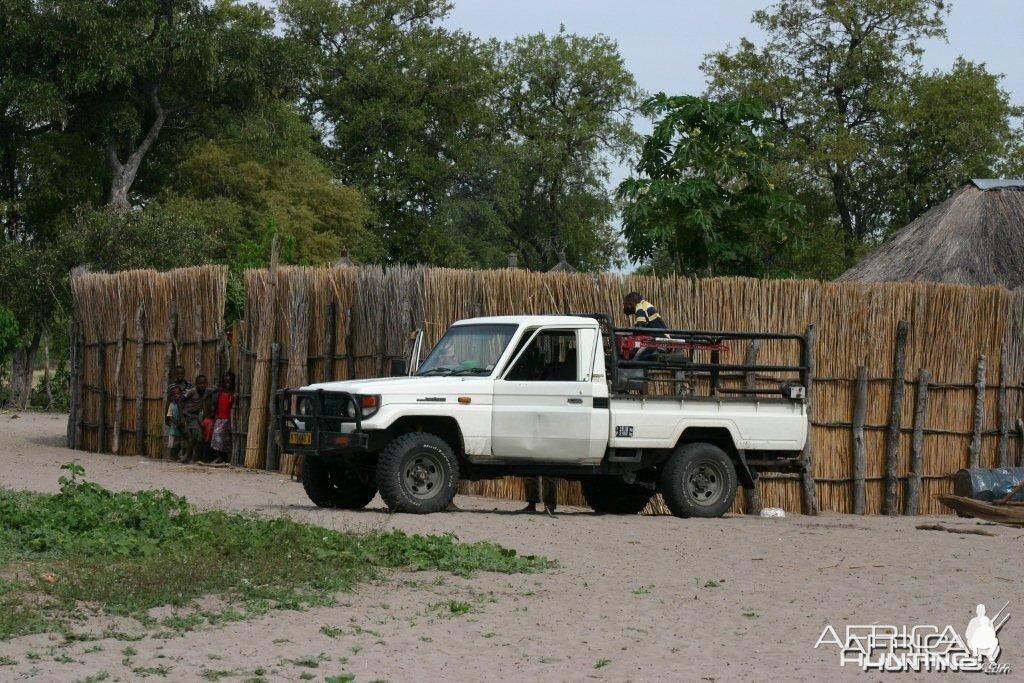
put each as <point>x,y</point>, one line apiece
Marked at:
<point>664,41</point>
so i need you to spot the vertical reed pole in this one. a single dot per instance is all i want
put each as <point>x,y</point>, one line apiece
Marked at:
<point>974,454</point>
<point>101,365</point>
<point>750,381</point>
<point>860,410</point>
<point>169,332</point>
<point>271,461</point>
<point>892,441</point>
<point>1004,414</point>
<point>197,325</point>
<point>140,380</point>
<point>118,390</point>
<point>807,477</point>
<point>913,502</point>
<point>332,329</point>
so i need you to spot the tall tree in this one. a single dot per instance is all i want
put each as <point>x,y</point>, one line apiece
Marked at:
<point>840,77</point>
<point>568,102</point>
<point>401,100</point>
<point>703,201</point>
<point>128,69</point>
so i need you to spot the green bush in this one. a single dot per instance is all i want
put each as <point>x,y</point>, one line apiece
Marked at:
<point>130,551</point>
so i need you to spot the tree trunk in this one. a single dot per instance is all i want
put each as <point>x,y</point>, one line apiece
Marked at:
<point>122,173</point>
<point>840,194</point>
<point>21,372</point>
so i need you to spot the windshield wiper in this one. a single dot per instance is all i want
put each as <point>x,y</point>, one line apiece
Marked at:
<point>436,371</point>
<point>472,371</point>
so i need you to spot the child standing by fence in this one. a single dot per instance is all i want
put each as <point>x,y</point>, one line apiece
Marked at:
<point>173,421</point>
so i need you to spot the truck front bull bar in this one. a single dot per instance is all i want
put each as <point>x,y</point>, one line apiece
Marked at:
<point>321,433</point>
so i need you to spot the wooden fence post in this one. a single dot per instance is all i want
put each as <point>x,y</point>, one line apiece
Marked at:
<point>140,380</point>
<point>271,461</point>
<point>1003,411</point>
<point>750,381</point>
<point>350,351</point>
<point>807,476</point>
<point>115,446</point>
<point>1020,443</point>
<point>974,454</point>
<point>101,367</point>
<point>169,358</point>
<point>75,386</point>
<point>892,441</point>
<point>332,330</point>
<point>913,502</point>
<point>860,410</point>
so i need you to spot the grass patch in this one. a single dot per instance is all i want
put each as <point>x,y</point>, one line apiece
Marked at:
<point>124,553</point>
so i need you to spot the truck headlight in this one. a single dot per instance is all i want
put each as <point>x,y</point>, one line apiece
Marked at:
<point>368,403</point>
<point>305,406</point>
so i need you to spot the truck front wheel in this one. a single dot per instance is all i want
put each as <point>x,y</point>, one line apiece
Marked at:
<point>417,473</point>
<point>611,496</point>
<point>330,486</point>
<point>699,480</point>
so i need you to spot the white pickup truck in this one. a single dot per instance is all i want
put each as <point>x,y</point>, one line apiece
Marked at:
<point>557,396</point>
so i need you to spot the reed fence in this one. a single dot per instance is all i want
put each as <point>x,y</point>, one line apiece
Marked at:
<point>911,381</point>
<point>130,329</point>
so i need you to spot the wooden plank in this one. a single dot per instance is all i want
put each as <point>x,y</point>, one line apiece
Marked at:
<point>807,476</point>
<point>860,410</point>
<point>974,454</point>
<point>332,330</point>
<point>913,502</point>
<point>1003,411</point>
<point>271,461</point>
<point>140,380</point>
<point>892,441</point>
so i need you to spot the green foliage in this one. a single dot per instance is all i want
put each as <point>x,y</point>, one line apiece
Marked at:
<point>569,101</point>
<point>704,198</point>
<point>9,334</point>
<point>132,551</point>
<point>864,134</point>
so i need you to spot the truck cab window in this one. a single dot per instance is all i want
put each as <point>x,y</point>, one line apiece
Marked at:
<point>550,357</point>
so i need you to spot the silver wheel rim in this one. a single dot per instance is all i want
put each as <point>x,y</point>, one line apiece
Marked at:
<point>705,482</point>
<point>423,475</point>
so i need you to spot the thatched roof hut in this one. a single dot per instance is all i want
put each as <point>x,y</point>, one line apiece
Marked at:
<point>976,237</point>
<point>563,265</point>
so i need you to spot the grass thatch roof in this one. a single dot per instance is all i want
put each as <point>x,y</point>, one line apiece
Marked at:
<point>976,237</point>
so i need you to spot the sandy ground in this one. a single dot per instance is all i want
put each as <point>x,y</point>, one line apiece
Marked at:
<point>634,598</point>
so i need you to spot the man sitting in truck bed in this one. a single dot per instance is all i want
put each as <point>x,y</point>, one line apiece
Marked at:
<point>643,312</point>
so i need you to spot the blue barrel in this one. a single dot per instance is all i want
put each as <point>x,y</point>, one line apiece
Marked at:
<point>988,484</point>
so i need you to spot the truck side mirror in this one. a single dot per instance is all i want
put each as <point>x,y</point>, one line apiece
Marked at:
<point>399,367</point>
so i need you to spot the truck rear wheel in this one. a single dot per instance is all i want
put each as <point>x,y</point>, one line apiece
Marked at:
<point>699,480</point>
<point>611,496</point>
<point>417,473</point>
<point>330,486</point>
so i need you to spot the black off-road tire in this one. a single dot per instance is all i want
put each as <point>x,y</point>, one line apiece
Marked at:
<point>699,480</point>
<point>608,495</point>
<point>417,473</point>
<point>330,486</point>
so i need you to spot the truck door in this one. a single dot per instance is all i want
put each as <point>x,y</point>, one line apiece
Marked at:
<point>542,406</point>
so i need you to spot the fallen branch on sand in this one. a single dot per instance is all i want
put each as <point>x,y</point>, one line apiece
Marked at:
<point>1003,514</point>
<point>939,527</point>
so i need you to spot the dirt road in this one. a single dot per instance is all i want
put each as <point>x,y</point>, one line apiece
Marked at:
<point>635,598</point>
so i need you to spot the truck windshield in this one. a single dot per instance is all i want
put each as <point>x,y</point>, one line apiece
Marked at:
<point>468,350</point>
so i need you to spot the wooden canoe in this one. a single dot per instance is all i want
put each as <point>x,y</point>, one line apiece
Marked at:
<point>1004,514</point>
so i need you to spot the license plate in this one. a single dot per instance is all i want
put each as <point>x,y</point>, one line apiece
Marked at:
<point>300,438</point>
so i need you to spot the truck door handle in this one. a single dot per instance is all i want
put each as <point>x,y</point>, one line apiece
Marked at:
<point>576,401</point>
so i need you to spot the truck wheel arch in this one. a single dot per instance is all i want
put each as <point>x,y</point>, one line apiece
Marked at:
<point>723,438</point>
<point>442,426</point>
